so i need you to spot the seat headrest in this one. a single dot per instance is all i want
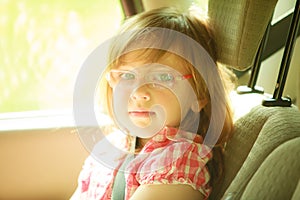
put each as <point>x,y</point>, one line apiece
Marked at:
<point>239,27</point>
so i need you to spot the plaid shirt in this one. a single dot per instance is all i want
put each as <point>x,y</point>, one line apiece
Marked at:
<point>170,157</point>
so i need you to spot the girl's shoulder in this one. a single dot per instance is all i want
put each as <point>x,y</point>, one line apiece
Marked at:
<point>171,148</point>
<point>171,141</point>
<point>174,160</point>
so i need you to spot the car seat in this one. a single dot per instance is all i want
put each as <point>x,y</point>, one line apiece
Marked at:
<point>262,157</point>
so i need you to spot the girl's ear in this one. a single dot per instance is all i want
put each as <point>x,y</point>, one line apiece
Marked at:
<point>198,105</point>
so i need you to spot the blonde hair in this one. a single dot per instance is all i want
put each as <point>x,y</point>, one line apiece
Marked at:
<point>197,29</point>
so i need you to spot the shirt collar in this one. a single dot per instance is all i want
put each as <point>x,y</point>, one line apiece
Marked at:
<point>174,134</point>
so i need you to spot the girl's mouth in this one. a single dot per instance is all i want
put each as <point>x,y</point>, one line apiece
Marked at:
<point>141,113</point>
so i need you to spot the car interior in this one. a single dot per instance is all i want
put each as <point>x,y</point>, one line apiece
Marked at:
<point>261,159</point>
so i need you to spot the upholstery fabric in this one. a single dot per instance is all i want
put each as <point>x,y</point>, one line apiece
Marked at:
<point>256,135</point>
<point>296,195</point>
<point>278,175</point>
<point>239,28</point>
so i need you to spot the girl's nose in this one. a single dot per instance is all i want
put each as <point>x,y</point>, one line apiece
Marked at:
<point>140,95</point>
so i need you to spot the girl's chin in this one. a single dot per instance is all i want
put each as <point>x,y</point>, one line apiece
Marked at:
<point>141,122</point>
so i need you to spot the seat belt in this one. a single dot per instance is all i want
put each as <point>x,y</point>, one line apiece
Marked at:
<point>119,185</point>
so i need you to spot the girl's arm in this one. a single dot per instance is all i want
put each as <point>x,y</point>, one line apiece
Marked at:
<point>166,191</point>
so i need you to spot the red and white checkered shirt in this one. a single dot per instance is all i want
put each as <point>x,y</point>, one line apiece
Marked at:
<point>170,157</point>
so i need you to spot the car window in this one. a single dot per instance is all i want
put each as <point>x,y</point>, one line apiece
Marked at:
<point>42,46</point>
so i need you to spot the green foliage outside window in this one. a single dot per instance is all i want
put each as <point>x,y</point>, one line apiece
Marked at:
<point>42,46</point>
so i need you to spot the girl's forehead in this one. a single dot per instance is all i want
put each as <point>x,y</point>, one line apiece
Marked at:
<point>133,60</point>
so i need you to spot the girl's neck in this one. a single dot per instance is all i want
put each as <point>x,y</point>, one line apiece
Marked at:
<point>143,141</point>
<point>140,143</point>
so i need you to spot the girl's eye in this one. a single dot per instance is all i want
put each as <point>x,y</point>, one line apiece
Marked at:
<point>165,77</point>
<point>127,76</point>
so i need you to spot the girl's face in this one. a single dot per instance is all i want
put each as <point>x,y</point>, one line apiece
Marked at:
<point>145,96</point>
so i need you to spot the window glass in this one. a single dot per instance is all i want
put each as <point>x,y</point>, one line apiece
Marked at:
<point>42,46</point>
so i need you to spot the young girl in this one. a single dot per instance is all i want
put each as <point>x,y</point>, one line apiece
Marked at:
<point>168,99</point>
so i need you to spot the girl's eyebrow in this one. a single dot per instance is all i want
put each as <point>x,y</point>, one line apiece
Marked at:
<point>124,67</point>
<point>156,67</point>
